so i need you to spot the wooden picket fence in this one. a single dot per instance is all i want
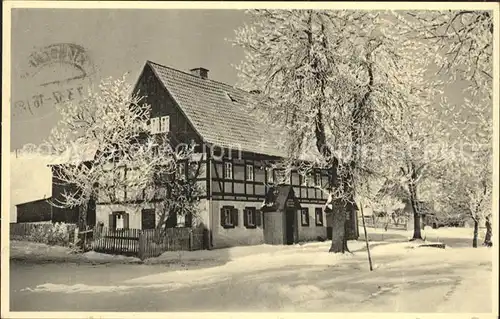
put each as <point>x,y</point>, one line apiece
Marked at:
<point>146,243</point>
<point>382,223</point>
<point>120,241</point>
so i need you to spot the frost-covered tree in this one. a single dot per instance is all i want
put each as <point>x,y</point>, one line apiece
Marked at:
<point>467,183</point>
<point>123,161</point>
<point>326,76</point>
<point>418,145</point>
<point>462,42</point>
<point>462,45</point>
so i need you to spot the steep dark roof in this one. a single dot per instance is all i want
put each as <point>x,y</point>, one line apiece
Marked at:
<point>219,112</point>
<point>35,201</point>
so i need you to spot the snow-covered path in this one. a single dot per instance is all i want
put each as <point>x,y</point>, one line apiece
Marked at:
<point>270,278</point>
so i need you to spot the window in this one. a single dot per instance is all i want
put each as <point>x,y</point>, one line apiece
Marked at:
<point>181,221</point>
<point>160,124</point>
<point>249,172</point>
<point>148,193</point>
<point>270,175</point>
<point>228,170</point>
<point>250,217</point>
<point>228,217</point>
<point>304,216</point>
<point>160,192</point>
<point>280,177</point>
<point>306,180</point>
<point>155,125</point>
<point>118,220</point>
<point>181,170</point>
<point>317,179</point>
<point>347,215</point>
<point>164,124</point>
<point>319,216</point>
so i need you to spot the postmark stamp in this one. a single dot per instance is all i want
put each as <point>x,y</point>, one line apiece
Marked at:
<point>54,74</point>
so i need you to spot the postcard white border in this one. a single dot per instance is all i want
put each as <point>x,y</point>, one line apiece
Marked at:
<point>8,5</point>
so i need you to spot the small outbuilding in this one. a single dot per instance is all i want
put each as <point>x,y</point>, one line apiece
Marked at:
<point>280,214</point>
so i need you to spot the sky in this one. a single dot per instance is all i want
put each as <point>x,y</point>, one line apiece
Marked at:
<point>116,42</point>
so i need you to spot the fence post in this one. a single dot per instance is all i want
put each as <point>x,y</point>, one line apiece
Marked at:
<point>142,246</point>
<point>190,239</point>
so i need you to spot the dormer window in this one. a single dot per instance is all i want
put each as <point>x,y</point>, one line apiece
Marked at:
<point>160,124</point>
<point>230,97</point>
<point>155,125</point>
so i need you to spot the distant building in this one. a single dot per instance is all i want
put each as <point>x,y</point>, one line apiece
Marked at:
<point>34,212</point>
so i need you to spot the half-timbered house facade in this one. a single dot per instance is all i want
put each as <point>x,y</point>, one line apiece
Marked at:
<point>242,203</point>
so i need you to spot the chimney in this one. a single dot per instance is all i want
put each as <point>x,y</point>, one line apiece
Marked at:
<point>200,72</point>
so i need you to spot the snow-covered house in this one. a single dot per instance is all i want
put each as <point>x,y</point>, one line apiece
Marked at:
<point>241,203</point>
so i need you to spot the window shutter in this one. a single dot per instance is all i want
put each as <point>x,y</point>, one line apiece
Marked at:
<point>188,221</point>
<point>112,221</point>
<point>235,216</point>
<point>222,219</point>
<point>125,221</point>
<point>258,218</point>
<point>245,217</point>
<point>171,219</point>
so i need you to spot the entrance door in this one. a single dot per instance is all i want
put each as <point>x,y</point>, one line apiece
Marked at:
<point>290,226</point>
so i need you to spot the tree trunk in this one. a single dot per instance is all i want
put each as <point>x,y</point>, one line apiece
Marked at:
<point>339,242</point>
<point>476,232</point>
<point>83,216</point>
<point>487,236</point>
<point>417,234</point>
<point>83,224</point>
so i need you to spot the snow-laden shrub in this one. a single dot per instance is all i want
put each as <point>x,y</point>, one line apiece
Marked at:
<point>58,234</point>
<point>51,234</point>
<point>38,234</point>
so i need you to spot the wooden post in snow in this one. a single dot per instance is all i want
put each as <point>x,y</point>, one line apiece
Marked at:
<point>75,238</point>
<point>142,246</point>
<point>366,237</point>
<point>191,239</point>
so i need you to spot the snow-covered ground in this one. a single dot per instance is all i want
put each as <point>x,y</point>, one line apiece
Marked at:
<point>38,252</point>
<point>406,278</point>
